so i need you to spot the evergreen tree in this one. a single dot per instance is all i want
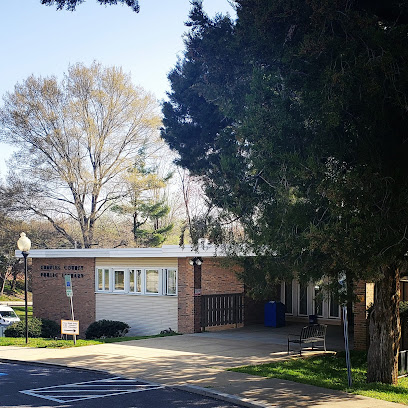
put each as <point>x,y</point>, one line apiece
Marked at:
<point>296,116</point>
<point>146,205</point>
<point>72,4</point>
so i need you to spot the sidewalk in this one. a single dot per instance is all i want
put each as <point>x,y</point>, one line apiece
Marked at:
<point>199,360</point>
<point>15,303</point>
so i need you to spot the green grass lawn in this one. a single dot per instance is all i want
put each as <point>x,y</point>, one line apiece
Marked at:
<point>20,311</point>
<point>10,298</point>
<point>15,294</point>
<point>51,343</point>
<point>329,371</point>
<point>44,343</point>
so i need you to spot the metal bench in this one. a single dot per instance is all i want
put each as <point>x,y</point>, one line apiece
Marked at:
<point>309,335</point>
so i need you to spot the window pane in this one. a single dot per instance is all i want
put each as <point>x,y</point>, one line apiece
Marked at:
<point>131,280</point>
<point>100,279</point>
<point>318,302</point>
<point>171,282</point>
<point>152,281</point>
<point>106,281</point>
<point>334,307</point>
<point>303,299</point>
<point>119,280</point>
<point>288,297</point>
<point>139,281</point>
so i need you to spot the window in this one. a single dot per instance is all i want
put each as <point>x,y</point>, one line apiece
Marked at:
<point>152,281</point>
<point>170,282</point>
<point>132,280</point>
<point>106,280</point>
<point>135,280</point>
<point>100,279</point>
<point>139,282</point>
<point>119,282</point>
<point>103,279</point>
<point>303,299</point>
<point>318,301</point>
<point>144,281</point>
<point>334,309</point>
<point>288,297</point>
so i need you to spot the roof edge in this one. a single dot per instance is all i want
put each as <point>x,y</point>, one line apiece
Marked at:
<point>166,251</point>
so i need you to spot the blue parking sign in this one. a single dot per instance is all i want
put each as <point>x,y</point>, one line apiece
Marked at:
<point>68,285</point>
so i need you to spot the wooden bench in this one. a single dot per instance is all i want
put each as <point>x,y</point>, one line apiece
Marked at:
<point>309,335</point>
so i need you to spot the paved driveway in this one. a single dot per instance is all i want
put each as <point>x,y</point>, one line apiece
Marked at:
<point>173,360</point>
<point>200,360</point>
<point>45,386</point>
<point>277,336</point>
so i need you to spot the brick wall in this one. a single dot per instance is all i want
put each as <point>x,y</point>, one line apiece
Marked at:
<point>49,297</point>
<point>185,296</point>
<point>365,295</point>
<point>216,278</point>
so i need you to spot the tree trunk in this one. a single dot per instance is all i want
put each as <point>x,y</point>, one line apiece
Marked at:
<point>3,283</point>
<point>385,329</point>
<point>14,281</point>
<point>87,236</point>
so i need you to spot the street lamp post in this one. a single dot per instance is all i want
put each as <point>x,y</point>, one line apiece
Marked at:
<point>24,245</point>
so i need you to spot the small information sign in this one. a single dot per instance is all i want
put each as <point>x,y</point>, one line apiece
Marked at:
<point>70,327</point>
<point>68,285</point>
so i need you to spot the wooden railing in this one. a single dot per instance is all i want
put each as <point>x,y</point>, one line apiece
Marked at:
<point>219,310</point>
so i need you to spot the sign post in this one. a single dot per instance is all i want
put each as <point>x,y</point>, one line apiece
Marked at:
<point>346,346</point>
<point>70,294</point>
<point>343,290</point>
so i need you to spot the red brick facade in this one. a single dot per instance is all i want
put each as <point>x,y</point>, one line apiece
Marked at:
<point>185,296</point>
<point>216,278</point>
<point>49,296</point>
<point>365,295</point>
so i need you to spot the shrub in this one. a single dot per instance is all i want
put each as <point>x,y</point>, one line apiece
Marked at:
<point>106,328</point>
<point>18,329</point>
<point>168,332</point>
<point>50,329</point>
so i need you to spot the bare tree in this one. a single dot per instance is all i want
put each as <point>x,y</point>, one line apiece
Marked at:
<point>74,139</point>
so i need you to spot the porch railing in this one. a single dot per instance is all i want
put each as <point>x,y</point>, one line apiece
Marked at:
<point>219,310</point>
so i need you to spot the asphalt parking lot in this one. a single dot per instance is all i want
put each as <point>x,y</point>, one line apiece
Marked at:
<point>23,385</point>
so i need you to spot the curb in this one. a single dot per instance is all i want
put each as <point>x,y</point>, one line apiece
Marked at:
<point>193,389</point>
<point>234,399</point>
<point>55,365</point>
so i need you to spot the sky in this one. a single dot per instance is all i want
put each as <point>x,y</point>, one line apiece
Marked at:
<point>39,40</point>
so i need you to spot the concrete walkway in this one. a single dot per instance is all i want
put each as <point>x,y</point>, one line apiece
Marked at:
<point>15,303</point>
<point>200,360</point>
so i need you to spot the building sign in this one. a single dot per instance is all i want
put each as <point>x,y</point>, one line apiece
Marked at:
<point>70,327</point>
<point>52,268</point>
<point>58,267</point>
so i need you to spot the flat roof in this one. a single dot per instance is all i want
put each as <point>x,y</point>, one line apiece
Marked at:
<point>166,251</point>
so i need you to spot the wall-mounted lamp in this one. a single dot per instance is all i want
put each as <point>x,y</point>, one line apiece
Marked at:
<point>195,261</point>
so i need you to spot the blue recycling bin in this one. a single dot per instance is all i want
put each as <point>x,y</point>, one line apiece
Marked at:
<point>274,314</point>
